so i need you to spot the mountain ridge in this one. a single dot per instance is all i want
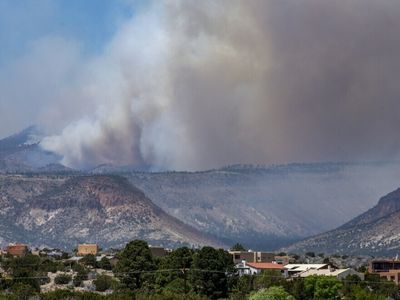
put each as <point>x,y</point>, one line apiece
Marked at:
<point>375,231</point>
<point>61,211</point>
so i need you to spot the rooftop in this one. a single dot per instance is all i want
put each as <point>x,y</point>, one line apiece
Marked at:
<point>305,267</point>
<point>266,266</point>
<point>323,272</point>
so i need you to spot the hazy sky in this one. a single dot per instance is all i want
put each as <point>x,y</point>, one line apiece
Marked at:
<point>188,84</point>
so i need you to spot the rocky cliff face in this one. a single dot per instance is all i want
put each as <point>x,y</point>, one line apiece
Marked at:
<point>62,211</point>
<point>376,231</point>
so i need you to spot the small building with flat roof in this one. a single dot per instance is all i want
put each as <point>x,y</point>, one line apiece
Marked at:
<point>19,250</point>
<point>85,249</point>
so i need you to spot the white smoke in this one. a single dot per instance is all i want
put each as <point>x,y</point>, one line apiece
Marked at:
<point>198,84</point>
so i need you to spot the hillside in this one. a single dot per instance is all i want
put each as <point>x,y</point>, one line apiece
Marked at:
<point>264,207</point>
<point>374,232</point>
<point>267,207</point>
<point>62,211</point>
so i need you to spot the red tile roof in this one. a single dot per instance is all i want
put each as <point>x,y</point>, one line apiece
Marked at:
<point>266,266</point>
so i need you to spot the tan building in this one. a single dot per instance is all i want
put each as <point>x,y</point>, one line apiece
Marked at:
<point>85,249</point>
<point>19,250</point>
<point>252,256</point>
<point>389,269</point>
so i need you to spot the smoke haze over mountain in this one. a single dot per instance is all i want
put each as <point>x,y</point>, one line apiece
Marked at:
<point>199,84</point>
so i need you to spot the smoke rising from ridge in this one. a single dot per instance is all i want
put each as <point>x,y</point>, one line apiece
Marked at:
<point>199,84</point>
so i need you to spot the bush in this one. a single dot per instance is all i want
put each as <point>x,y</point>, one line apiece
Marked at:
<point>22,291</point>
<point>105,264</point>
<point>273,293</point>
<point>89,260</point>
<point>103,283</point>
<point>62,279</point>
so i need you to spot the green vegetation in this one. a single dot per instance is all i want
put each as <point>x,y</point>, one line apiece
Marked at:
<point>103,283</point>
<point>62,279</point>
<point>237,247</point>
<point>272,293</point>
<point>190,274</point>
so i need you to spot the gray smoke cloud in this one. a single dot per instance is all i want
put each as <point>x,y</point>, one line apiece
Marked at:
<point>199,84</point>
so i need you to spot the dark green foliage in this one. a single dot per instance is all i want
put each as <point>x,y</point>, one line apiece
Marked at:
<point>186,274</point>
<point>50,265</point>
<point>268,278</point>
<point>70,295</point>
<point>103,283</point>
<point>89,260</point>
<point>173,267</point>
<point>22,291</point>
<point>272,293</point>
<point>134,262</point>
<point>62,279</point>
<point>25,270</point>
<point>104,264</point>
<point>322,287</point>
<point>81,275</point>
<point>237,247</point>
<point>242,287</point>
<point>209,273</point>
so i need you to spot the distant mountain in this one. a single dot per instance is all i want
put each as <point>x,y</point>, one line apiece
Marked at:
<point>62,211</point>
<point>263,207</point>
<point>267,207</point>
<point>375,232</point>
<point>21,153</point>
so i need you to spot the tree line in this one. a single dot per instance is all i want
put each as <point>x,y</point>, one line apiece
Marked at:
<point>185,273</point>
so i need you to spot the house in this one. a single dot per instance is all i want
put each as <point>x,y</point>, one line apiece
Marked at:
<point>255,268</point>
<point>294,269</point>
<point>389,269</point>
<point>338,273</point>
<point>85,249</point>
<point>19,250</point>
<point>251,256</point>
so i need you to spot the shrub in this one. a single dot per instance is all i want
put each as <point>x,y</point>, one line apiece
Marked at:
<point>62,279</point>
<point>103,283</point>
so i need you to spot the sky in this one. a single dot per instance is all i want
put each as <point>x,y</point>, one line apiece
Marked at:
<point>190,85</point>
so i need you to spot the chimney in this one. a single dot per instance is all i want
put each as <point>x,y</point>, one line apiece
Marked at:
<point>244,263</point>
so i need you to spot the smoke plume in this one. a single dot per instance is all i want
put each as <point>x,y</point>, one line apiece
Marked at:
<point>198,84</point>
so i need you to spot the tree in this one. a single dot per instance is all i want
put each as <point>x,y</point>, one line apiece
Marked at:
<point>22,291</point>
<point>133,260</point>
<point>209,274</point>
<point>25,270</point>
<point>237,247</point>
<point>179,260</point>
<point>272,293</point>
<point>89,260</point>
<point>322,287</point>
<point>103,283</point>
<point>268,278</point>
<point>105,264</point>
<point>243,286</point>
